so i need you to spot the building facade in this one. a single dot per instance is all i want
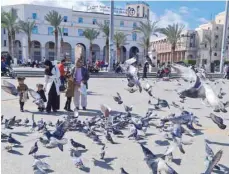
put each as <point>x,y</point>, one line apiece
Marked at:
<point>72,26</point>
<point>202,44</point>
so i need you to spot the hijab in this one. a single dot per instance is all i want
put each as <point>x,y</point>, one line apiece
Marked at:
<point>48,71</point>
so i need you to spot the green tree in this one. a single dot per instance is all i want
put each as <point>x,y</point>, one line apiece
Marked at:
<point>105,29</point>
<point>9,22</point>
<point>120,40</point>
<point>91,35</point>
<point>173,34</point>
<point>27,27</point>
<point>147,29</point>
<point>55,19</point>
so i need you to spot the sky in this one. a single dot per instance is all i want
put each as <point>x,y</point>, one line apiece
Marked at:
<point>189,13</point>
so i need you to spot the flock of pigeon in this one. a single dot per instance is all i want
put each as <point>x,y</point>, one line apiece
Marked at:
<point>172,127</point>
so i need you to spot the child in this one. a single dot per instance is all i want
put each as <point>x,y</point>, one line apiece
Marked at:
<point>22,90</point>
<point>69,92</point>
<point>41,92</point>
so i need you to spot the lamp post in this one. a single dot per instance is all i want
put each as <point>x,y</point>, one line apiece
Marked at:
<point>224,36</point>
<point>111,36</point>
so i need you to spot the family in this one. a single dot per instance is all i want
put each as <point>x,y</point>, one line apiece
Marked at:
<point>76,81</point>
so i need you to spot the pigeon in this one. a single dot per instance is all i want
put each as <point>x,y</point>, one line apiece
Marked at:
<point>78,162</point>
<point>77,145</point>
<point>13,141</point>
<point>40,165</point>
<point>163,103</point>
<point>102,154</point>
<point>123,171</point>
<point>9,88</point>
<point>26,121</point>
<point>33,149</point>
<point>148,89</point>
<point>2,117</point>
<point>37,98</point>
<point>109,137</point>
<point>148,154</point>
<point>7,126</point>
<point>53,142</point>
<point>163,166</point>
<point>118,99</point>
<point>128,108</point>
<point>218,120</point>
<point>214,162</point>
<point>132,90</point>
<point>34,125</point>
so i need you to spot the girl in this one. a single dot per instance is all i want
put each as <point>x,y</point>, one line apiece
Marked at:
<point>69,92</point>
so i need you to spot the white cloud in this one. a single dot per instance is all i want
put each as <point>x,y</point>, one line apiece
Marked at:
<point>202,20</point>
<point>184,10</point>
<point>79,5</point>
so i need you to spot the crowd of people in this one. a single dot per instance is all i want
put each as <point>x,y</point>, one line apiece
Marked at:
<point>76,82</point>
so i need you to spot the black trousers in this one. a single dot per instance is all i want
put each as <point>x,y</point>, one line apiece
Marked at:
<point>68,103</point>
<point>53,99</point>
<point>144,75</point>
<point>21,105</point>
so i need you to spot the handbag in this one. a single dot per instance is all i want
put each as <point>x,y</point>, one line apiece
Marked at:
<point>83,89</point>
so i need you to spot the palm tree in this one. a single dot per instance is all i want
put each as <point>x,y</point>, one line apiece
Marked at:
<point>9,21</point>
<point>145,44</point>
<point>120,39</point>
<point>173,34</point>
<point>147,29</point>
<point>91,34</point>
<point>54,18</point>
<point>27,28</point>
<point>105,29</point>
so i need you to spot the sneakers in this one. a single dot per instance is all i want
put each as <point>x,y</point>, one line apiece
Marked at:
<point>22,110</point>
<point>69,110</point>
<point>84,108</point>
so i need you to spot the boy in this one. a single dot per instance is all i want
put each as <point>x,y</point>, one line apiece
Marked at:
<point>41,92</point>
<point>22,90</point>
<point>69,92</point>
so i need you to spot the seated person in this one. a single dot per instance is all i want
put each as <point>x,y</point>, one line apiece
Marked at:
<point>3,66</point>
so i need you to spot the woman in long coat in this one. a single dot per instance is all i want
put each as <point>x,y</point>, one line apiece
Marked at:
<point>52,86</point>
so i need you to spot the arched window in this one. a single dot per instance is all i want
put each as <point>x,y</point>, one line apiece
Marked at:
<point>134,36</point>
<point>138,8</point>
<point>143,11</point>
<point>215,54</point>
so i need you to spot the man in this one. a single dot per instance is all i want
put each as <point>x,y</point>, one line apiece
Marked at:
<point>62,72</point>
<point>8,59</point>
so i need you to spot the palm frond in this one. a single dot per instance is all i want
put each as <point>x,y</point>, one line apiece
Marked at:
<point>91,34</point>
<point>104,28</point>
<point>120,39</point>
<point>54,18</point>
<point>26,27</point>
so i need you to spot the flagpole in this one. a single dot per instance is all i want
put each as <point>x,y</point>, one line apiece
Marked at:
<point>111,35</point>
<point>224,43</point>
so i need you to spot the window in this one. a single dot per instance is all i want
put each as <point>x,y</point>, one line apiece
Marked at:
<point>65,32</point>
<point>226,47</point>
<point>216,36</point>
<point>50,30</point>
<point>4,43</point>
<point>215,54</point>
<point>205,45</point>
<point>51,45</point>
<point>134,25</point>
<point>134,36</point>
<point>65,19</point>
<point>217,28</point>
<point>37,44</point>
<point>121,23</point>
<point>215,45</point>
<point>35,30</point>
<point>107,22</point>
<point>94,21</point>
<point>80,32</point>
<point>190,45</point>
<point>34,15</point>
<point>138,11</point>
<point>4,31</point>
<point>80,20</point>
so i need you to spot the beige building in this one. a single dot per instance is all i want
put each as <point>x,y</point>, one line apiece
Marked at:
<point>194,44</point>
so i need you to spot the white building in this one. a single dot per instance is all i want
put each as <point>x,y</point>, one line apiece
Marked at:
<point>73,25</point>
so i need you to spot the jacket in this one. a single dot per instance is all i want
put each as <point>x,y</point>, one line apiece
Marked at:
<point>70,89</point>
<point>61,69</point>
<point>42,94</point>
<point>54,78</point>
<point>85,73</point>
<point>23,92</point>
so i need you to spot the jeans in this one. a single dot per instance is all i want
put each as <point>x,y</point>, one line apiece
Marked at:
<point>62,80</point>
<point>68,103</point>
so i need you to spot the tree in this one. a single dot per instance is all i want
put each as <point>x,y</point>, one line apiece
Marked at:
<point>91,34</point>
<point>147,29</point>
<point>145,44</point>
<point>9,21</point>
<point>55,19</point>
<point>173,34</point>
<point>120,39</point>
<point>27,28</point>
<point>105,29</point>
<point>208,41</point>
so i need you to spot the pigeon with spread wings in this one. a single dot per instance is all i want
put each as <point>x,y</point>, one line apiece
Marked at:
<point>37,98</point>
<point>9,88</point>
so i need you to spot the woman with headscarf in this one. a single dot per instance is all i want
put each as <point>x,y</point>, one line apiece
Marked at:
<point>51,86</point>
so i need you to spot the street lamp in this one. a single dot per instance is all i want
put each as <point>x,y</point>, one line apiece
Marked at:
<point>111,36</point>
<point>224,36</point>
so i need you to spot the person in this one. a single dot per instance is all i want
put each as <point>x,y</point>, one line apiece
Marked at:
<point>225,71</point>
<point>3,66</point>
<point>22,89</point>
<point>41,92</point>
<point>80,75</point>
<point>8,60</point>
<point>145,69</point>
<point>51,86</point>
<point>62,72</point>
<point>69,92</point>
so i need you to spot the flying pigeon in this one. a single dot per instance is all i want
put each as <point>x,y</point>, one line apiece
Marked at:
<point>123,171</point>
<point>118,99</point>
<point>76,144</point>
<point>40,165</point>
<point>218,120</point>
<point>214,162</point>
<point>9,88</point>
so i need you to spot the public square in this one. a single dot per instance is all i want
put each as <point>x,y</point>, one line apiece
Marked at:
<point>126,153</point>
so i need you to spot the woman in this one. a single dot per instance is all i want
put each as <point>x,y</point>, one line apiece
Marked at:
<point>145,69</point>
<point>80,75</point>
<point>51,86</point>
